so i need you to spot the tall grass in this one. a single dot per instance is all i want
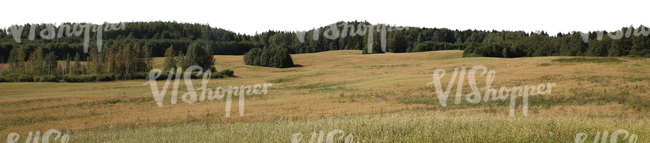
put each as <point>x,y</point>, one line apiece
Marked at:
<point>407,128</point>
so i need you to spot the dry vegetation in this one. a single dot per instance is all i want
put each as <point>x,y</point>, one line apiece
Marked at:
<point>378,97</point>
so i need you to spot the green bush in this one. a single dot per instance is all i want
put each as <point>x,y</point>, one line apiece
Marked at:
<point>212,69</point>
<point>128,76</point>
<point>9,77</point>
<point>18,77</point>
<point>217,75</point>
<point>119,77</point>
<point>25,78</point>
<point>70,78</point>
<point>105,77</point>
<point>140,76</point>
<point>227,72</point>
<point>87,78</point>
<point>6,72</point>
<point>163,76</point>
<point>2,79</point>
<point>50,78</point>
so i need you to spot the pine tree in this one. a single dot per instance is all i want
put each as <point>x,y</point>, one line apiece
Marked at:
<point>264,58</point>
<point>249,57</point>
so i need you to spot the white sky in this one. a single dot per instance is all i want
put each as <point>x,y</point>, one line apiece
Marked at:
<point>246,16</point>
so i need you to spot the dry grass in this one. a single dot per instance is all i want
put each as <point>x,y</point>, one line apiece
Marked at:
<point>338,84</point>
<point>403,128</point>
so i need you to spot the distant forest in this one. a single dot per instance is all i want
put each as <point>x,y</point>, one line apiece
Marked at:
<point>158,36</point>
<point>127,52</point>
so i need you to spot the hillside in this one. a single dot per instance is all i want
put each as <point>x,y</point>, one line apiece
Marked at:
<point>329,88</point>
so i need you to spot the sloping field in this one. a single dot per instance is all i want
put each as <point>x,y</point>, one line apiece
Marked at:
<point>376,98</point>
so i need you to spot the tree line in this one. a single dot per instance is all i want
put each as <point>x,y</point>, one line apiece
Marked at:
<point>159,35</point>
<point>128,51</point>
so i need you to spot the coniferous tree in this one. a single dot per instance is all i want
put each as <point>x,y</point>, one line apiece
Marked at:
<point>264,57</point>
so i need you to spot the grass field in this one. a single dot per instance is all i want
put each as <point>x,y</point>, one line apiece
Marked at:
<point>376,98</point>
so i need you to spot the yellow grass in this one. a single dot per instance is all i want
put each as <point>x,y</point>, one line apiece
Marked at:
<point>344,84</point>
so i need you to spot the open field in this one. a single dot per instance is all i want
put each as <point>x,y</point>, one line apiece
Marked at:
<point>377,98</point>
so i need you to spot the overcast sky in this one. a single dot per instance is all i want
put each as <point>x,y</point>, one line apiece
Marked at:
<point>245,16</point>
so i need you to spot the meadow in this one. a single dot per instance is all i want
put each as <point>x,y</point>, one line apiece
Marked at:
<point>376,98</point>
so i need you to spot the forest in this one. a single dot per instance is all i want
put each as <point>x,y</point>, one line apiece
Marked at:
<point>129,51</point>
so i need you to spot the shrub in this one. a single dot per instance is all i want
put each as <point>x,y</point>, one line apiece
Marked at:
<point>70,78</point>
<point>163,76</point>
<point>227,72</point>
<point>128,76</point>
<point>217,75</point>
<point>212,69</point>
<point>119,77</point>
<point>105,77</point>
<point>140,76</point>
<point>87,78</point>
<point>24,78</point>
<point>2,79</point>
<point>11,77</point>
<point>50,78</point>
<point>6,72</point>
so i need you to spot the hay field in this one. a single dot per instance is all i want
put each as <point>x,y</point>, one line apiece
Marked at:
<point>376,98</point>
